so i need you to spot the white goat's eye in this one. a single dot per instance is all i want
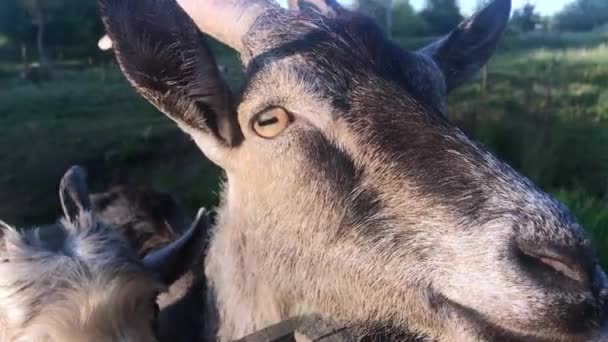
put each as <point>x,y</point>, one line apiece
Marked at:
<point>271,122</point>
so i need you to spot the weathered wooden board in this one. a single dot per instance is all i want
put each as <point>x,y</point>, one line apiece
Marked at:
<point>307,329</point>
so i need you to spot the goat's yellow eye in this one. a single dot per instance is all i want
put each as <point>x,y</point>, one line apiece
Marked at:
<point>271,122</point>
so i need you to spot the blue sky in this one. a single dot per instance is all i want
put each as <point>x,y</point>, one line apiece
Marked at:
<point>467,6</point>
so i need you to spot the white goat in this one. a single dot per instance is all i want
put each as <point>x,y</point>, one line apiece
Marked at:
<point>94,287</point>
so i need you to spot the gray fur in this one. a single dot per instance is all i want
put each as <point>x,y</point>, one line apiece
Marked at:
<point>91,285</point>
<point>370,208</point>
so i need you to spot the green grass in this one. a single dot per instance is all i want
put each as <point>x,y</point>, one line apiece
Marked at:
<point>95,119</point>
<point>544,110</point>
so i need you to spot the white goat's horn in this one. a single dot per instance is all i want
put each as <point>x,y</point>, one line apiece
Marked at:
<point>226,20</point>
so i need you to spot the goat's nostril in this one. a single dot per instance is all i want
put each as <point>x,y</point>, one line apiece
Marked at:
<point>561,263</point>
<point>573,272</point>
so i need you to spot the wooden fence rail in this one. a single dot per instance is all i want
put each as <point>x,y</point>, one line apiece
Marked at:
<point>306,329</point>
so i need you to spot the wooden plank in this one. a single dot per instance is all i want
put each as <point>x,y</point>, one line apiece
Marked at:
<point>281,332</point>
<point>315,329</point>
<point>305,329</point>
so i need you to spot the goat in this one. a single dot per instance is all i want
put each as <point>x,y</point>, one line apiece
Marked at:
<point>94,287</point>
<point>150,220</point>
<point>348,192</point>
<point>148,217</point>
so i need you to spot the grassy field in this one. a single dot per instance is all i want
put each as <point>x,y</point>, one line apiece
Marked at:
<point>96,121</point>
<point>543,108</point>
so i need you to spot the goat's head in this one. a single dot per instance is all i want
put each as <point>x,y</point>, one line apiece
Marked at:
<point>94,288</point>
<point>340,160</point>
<point>147,217</point>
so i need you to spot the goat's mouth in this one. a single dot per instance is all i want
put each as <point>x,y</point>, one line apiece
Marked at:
<point>589,326</point>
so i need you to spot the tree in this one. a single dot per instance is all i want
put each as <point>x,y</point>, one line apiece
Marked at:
<point>15,22</point>
<point>582,15</point>
<point>441,15</point>
<point>39,12</point>
<point>526,19</point>
<point>388,16</point>
<point>51,26</point>
<point>76,29</point>
<point>406,22</point>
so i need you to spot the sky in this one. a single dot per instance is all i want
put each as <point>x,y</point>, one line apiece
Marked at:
<point>467,6</point>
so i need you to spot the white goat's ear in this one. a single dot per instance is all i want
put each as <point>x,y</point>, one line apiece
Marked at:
<point>3,226</point>
<point>173,260</point>
<point>328,8</point>
<point>461,54</point>
<point>74,193</point>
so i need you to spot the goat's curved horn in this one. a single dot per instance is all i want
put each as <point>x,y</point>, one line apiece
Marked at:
<point>173,260</point>
<point>226,20</point>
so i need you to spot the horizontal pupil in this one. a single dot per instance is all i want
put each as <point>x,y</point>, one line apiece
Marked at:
<point>268,122</point>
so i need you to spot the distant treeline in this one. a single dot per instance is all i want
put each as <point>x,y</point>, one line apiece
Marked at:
<point>439,16</point>
<point>55,30</point>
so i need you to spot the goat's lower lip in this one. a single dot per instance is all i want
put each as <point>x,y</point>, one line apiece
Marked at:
<point>490,330</point>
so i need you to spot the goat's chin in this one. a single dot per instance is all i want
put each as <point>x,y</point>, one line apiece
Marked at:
<point>484,328</point>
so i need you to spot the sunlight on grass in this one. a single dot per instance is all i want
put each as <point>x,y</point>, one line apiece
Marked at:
<point>597,54</point>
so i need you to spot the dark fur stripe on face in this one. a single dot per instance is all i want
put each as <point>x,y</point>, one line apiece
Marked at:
<point>340,176</point>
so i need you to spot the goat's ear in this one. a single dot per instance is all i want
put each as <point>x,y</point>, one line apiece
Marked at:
<point>166,58</point>
<point>173,260</point>
<point>3,226</point>
<point>462,53</point>
<point>328,8</point>
<point>74,193</point>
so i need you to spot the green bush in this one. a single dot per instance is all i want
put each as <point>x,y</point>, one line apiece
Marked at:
<point>406,22</point>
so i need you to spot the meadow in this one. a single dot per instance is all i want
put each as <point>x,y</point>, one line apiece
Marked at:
<point>542,105</point>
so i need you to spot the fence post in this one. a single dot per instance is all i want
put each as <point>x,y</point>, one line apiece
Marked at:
<point>483,84</point>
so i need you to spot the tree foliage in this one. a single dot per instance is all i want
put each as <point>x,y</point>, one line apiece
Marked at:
<point>526,18</point>
<point>441,15</point>
<point>69,26</point>
<point>582,15</point>
<point>15,22</point>
<point>406,22</point>
<point>403,20</point>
